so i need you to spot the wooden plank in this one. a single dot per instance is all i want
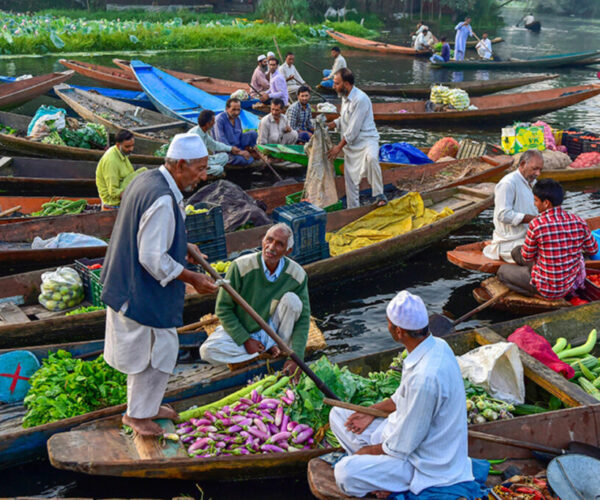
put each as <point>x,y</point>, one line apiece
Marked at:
<point>149,447</point>
<point>569,393</point>
<point>158,126</point>
<point>10,313</point>
<point>5,161</point>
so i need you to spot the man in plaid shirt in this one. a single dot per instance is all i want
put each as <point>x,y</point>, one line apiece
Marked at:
<point>550,262</point>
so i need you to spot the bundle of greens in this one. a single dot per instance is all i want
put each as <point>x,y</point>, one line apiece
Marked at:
<point>5,129</point>
<point>65,387</point>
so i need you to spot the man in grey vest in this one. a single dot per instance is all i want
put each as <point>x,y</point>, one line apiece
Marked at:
<point>144,278</point>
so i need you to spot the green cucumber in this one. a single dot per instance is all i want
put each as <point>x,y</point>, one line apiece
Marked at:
<point>526,409</point>
<point>560,345</point>
<point>588,387</point>
<point>586,348</point>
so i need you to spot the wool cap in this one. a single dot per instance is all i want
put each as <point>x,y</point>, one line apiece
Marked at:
<point>407,311</point>
<point>186,147</point>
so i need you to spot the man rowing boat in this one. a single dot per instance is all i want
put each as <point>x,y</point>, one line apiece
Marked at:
<point>463,31</point>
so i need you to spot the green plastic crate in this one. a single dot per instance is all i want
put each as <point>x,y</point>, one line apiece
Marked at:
<point>96,288</point>
<point>290,199</point>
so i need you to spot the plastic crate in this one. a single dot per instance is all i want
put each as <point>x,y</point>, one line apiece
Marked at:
<point>319,253</point>
<point>290,199</point>
<point>592,291</point>
<point>81,266</point>
<point>207,226</point>
<point>214,250</point>
<point>308,224</point>
<point>96,289</point>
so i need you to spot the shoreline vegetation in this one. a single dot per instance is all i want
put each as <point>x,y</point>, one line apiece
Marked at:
<point>47,33</point>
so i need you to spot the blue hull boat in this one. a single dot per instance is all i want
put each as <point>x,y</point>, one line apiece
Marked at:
<point>181,100</point>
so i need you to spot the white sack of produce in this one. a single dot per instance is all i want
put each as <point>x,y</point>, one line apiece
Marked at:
<point>440,94</point>
<point>459,99</point>
<point>498,369</point>
<point>326,107</point>
<point>68,240</point>
<point>553,160</point>
<point>61,289</point>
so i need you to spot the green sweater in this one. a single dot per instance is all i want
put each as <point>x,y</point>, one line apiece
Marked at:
<point>247,277</point>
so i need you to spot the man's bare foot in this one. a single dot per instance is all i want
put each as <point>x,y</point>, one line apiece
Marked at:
<point>381,494</point>
<point>165,411</point>
<point>143,426</point>
<point>274,351</point>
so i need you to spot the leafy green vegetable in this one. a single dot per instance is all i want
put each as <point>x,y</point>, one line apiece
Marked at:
<point>82,310</point>
<point>65,387</point>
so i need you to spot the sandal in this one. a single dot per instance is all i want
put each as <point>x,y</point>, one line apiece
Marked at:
<point>381,200</point>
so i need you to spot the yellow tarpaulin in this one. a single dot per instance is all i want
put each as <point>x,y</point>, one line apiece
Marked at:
<point>399,216</point>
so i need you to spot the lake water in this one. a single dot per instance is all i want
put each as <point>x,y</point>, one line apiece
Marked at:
<point>355,315</point>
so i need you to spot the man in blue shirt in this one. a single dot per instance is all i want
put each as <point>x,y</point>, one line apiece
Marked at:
<point>228,130</point>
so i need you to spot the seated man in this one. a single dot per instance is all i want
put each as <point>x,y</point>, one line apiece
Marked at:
<point>277,86</point>
<point>114,171</point>
<point>338,63</point>
<point>274,127</point>
<point>292,76</point>
<point>277,288</point>
<point>260,81</point>
<point>514,208</point>
<point>484,47</point>
<point>444,55</point>
<point>550,262</point>
<point>424,40</point>
<point>423,442</point>
<point>228,130</point>
<point>299,115</point>
<point>218,156</point>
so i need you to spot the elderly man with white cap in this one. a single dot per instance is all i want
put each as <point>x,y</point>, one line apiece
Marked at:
<point>144,278</point>
<point>423,442</point>
<point>260,77</point>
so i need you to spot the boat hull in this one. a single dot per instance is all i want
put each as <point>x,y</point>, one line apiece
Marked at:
<point>18,92</point>
<point>382,47</point>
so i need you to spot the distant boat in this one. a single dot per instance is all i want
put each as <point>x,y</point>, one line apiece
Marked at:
<point>16,92</point>
<point>535,26</point>
<point>385,48</point>
<point>181,100</point>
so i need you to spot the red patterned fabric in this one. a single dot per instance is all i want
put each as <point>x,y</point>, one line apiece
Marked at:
<point>555,241</point>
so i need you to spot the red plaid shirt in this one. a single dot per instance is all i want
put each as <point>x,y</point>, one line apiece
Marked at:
<point>555,240</point>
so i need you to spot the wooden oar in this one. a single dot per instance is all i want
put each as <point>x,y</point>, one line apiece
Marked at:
<point>313,67</point>
<point>278,51</point>
<point>312,90</point>
<point>268,164</point>
<point>283,347</point>
<point>9,211</point>
<point>587,450</point>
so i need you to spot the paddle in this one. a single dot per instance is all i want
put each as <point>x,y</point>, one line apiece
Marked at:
<point>268,164</point>
<point>285,350</point>
<point>278,51</point>
<point>9,211</point>
<point>440,325</point>
<point>573,446</point>
<point>312,66</point>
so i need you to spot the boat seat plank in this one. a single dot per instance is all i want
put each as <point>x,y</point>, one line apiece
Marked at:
<point>453,203</point>
<point>158,126</point>
<point>148,447</point>
<point>10,313</point>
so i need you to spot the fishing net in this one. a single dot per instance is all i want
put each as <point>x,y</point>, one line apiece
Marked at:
<point>319,186</point>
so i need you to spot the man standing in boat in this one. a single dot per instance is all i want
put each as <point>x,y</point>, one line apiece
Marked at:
<point>338,63</point>
<point>360,140</point>
<point>144,278</point>
<point>463,31</point>
<point>423,443</point>
<point>114,171</point>
<point>228,130</point>
<point>514,206</point>
<point>276,287</point>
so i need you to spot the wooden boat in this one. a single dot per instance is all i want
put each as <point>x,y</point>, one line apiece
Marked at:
<point>385,48</point>
<point>535,26</point>
<point>543,62</point>
<point>490,109</point>
<point>31,204</point>
<point>181,100</point>
<point>113,77</point>
<point>470,256</point>
<point>420,91</point>
<point>133,97</point>
<point>465,202</point>
<point>556,429</point>
<point>16,93</point>
<point>206,83</point>
<point>100,448</point>
<point>563,175</point>
<point>21,145</point>
<point>147,126</point>
<point>471,44</point>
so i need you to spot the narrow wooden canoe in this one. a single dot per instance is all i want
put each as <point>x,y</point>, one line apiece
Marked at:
<point>113,77</point>
<point>206,83</point>
<point>544,62</point>
<point>490,109</point>
<point>180,100</point>
<point>16,93</point>
<point>556,429</point>
<point>535,26</point>
<point>563,175</point>
<point>21,145</point>
<point>420,91</point>
<point>385,48</point>
<point>470,256</point>
<point>100,448</point>
<point>466,203</point>
<point>150,128</point>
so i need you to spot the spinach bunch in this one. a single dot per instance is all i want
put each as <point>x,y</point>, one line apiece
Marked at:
<point>64,387</point>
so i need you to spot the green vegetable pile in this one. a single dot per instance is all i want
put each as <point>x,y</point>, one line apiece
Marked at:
<point>82,310</point>
<point>5,129</point>
<point>162,151</point>
<point>65,387</point>
<point>61,207</point>
<point>481,407</point>
<point>586,366</point>
<point>90,136</point>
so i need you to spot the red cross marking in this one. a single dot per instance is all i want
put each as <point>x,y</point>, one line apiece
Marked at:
<point>15,376</point>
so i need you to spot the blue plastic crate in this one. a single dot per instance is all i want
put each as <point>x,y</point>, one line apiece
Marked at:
<point>207,226</point>
<point>308,222</point>
<point>318,253</point>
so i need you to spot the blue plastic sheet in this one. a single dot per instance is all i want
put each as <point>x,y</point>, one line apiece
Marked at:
<point>596,234</point>
<point>403,152</point>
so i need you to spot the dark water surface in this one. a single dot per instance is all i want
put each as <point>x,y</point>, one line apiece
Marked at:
<point>355,314</point>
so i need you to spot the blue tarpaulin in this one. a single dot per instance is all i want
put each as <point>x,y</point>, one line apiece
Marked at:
<point>402,152</point>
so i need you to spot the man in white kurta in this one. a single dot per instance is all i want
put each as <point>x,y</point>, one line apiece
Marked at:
<point>514,207</point>
<point>292,76</point>
<point>484,47</point>
<point>360,140</point>
<point>463,31</point>
<point>423,443</point>
<point>274,127</point>
<point>339,62</point>
<point>141,340</point>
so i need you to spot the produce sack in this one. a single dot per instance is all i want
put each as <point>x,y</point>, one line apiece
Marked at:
<point>537,346</point>
<point>61,289</point>
<point>553,160</point>
<point>444,147</point>
<point>46,119</point>
<point>403,152</point>
<point>498,369</point>
<point>520,138</point>
<point>459,99</point>
<point>440,94</point>
<point>586,160</point>
<point>68,240</point>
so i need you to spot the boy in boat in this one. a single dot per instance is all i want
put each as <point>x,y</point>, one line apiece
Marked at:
<point>228,130</point>
<point>276,287</point>
<point>114,171</point>
<point>299,115</point>
<point>423,442</point>
<point>550,262</point>
<point>514,207</point>
<point>275,129</point>
<point>338,63</point>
